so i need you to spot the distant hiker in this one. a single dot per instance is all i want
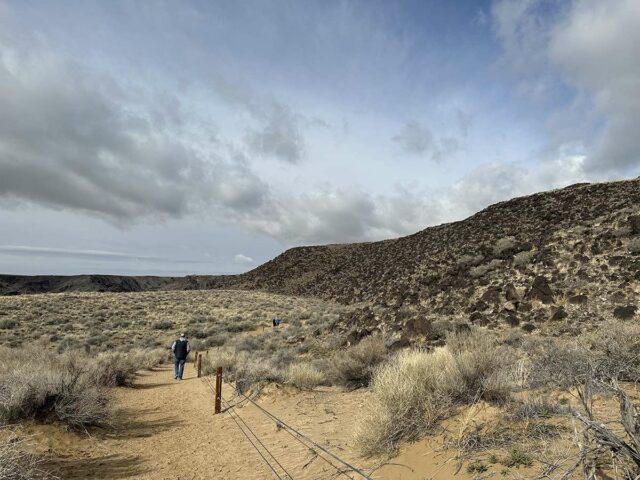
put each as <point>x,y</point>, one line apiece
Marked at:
<point>274,322</point>
<point>180,349</point>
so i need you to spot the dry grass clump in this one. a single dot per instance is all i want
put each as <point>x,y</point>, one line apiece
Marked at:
<point>256,370</point>
<point>70,388</point>
<point>305,376</point>
<point>504,244</point>
<point>481,368</point>
<point>406,400</point>
<point>17,464</point>
<point>354,366</point>
<point>227,358</point>
<point>611,352</point>
<point>539,408</point>
<point>48,387</point>
<point>416,389</point>
<point>521,259</point>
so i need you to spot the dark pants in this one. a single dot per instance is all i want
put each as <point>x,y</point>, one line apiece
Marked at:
<point>179,367</point>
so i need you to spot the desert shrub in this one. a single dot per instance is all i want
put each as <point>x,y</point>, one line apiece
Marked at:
<point>615,350</point>
<point>43,386</point>
<point>237,326</point>
<point>113,369</point>
<point>149,358</point>
<point>304,376</point>
<point>16,464</point>
<point>470,260</point>
<point>226,358</point>
<point>517,457</point>
<point>416,389</point>
<point>481,368</point>
<point>8,324</point>
<point>162,325</point>
<point>521,259</point>
<point>36,384</point>
<point>611,352</point>
<point>216,340</point>
<point>634,245</point>
<point>248,344</point>
<point>69,343</point>
<point>250,372</point>
<point>539,408</point>
<point>504,244</point>
<point>481,270</point>
<point>197,333</point>
<point>354,366</point>
<point>405,400</point>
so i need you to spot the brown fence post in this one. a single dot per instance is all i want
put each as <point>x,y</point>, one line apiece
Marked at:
<point>218,389</point>
<point>199,365</point>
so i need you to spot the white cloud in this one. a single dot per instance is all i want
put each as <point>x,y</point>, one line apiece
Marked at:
<point>591,46</point>
<point>596,47</point>
<point>241,259</point>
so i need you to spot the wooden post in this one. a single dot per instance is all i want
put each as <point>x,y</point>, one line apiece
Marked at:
<point>199,365</point>
<point>218,389</point>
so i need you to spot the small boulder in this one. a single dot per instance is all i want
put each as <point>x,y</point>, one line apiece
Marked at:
<point>558,313</point>
<point>511,293</point>
<point>540,290</point>
<point>418,326</point>
<point>478,318</point>
<point>634,223</point>
<point>625,313</point>
<point>524,307</point>
<point>492,295</point>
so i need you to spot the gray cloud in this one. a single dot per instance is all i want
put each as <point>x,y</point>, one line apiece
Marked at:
<point>280,135</point>
<point>416,139</point>
<point>278,131</point>
<point>70,138</point>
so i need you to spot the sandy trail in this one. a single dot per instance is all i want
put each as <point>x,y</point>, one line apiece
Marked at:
<point>168,430</point>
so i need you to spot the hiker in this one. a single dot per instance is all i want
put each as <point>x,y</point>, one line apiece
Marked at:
<point>180,349</point>
<point>274,322</point>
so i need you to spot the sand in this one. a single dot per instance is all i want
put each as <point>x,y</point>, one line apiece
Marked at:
<point>168,430</point>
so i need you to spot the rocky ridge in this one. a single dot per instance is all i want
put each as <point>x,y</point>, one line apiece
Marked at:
<point>560,260</point>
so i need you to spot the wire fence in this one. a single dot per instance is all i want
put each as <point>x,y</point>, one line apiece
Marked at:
<point>341,467</point>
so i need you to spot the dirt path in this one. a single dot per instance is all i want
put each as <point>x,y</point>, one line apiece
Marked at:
<point>168,431</point>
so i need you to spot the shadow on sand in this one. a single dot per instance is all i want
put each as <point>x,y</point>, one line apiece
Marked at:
<point>107,467</point>
<point>132,424</point>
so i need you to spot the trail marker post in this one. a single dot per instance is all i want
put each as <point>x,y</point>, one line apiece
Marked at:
<point>218,390</point>
<point>199,365</point>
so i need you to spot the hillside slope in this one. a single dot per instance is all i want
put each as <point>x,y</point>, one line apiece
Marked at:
<point>524,260</point>
<point>529,259</point>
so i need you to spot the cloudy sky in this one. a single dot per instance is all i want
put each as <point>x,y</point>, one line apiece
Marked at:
<point>177,137</point>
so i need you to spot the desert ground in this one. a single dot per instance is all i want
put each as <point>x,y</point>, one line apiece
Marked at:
<point>473,409</point>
